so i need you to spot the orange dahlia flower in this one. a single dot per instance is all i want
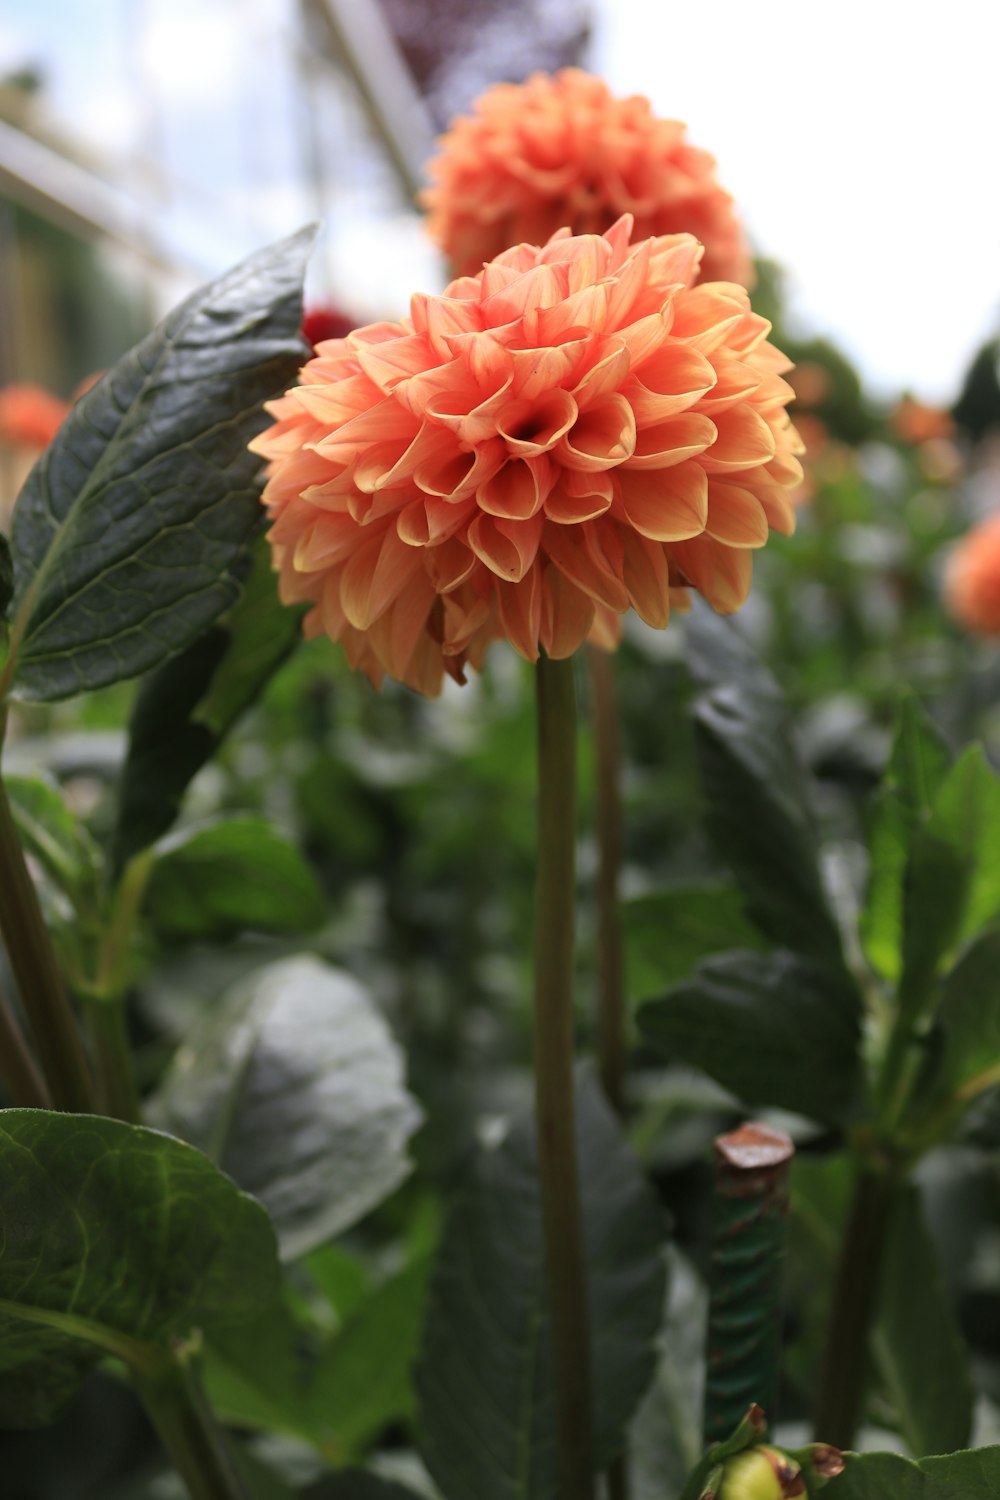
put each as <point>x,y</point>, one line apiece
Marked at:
<point>562,150</point>
<point>30,417</point>
<point>972,579</point>
<point>572,433</point>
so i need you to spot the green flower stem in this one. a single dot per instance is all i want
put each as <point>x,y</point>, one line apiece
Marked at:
<point>105,999</point>
<point>611,998</point>
<point>196,1446</point>
<point>24,1083</point>
<point>36,969</point>
<point>555,899</point>
<point>855,1297</point>
<point>119,1097</point>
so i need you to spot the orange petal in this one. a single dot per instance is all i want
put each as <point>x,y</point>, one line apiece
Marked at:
<point>520,606</point>
<point>744,441</point>
<point>735,515</point>
<point>721,574</point>
<point>508,548</point>
<point>567,613</point>
<point>602,437</point>
<point>672,441</point>
<point>672,379</point>
<point>646,578</point>
<point>567,547</point>
<point>533,427</point>
<point>580,496</point>
<point>517,491</point>
<point>449,564</point>
<point>667,505</point>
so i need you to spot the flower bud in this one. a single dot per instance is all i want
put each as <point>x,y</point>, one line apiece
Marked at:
<point>761,1473</point>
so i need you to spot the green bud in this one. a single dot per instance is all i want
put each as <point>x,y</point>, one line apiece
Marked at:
<point>762,1473</point>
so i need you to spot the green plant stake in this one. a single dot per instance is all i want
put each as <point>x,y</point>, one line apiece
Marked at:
<point>748,1247</point>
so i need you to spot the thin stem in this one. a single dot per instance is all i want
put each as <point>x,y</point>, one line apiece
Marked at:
<point>855,1297</point>
<point>105,999</point>
<point>611,998</point>
<point>113,1059</point>
<point>197,1448</point>
<point>555,898</point>
<point>24,1083</point>
<point>36,969</point>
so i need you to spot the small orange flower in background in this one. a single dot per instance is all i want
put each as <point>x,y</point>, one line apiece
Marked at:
<point>30,417</point>
<point>972,579</point>
<point>561,150</point>
<point>915,422</point>
<point>575,432</point>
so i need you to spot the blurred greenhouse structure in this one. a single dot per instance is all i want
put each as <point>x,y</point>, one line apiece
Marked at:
<point>147,144</point>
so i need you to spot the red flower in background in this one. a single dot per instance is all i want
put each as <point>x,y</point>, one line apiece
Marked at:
<point>30,417</point>
<point>325,322</point>
<point>577,431</point>
<point>972,579</point>
<point>561,150</point>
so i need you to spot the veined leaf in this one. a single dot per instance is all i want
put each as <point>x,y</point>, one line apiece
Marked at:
<point>484,1377</point>
<point>130,535</point>
<point>112,1239</point>
<point>972,1475</point>
<point>295,1086</point>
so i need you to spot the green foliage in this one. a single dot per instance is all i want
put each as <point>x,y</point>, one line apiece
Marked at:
<point>294,1086</point>
<point>488,1296</point>
<point>669,931</point>
<point>130,535</point>
<point>922,1358</point>
<point>113,1239</point>
<point>918,763</point>
<point>973,1475</point>
<point>214,881</point>
<point>184,710</point>
<point>51,832</point>
<point>770,1027</point>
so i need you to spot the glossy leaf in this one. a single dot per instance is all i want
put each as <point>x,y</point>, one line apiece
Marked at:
<point>185,708</point>
<point>918,763</point>
<point>921,1354</point>
<point>952,876</point>
<point>112,1239</point>
<point>484,1376</point>
<point>771,1027</point>
<point>759,817</point>
<point>294,1085</point>
<point>668,932</point>
<point>972,1475</point>
<point>130,535</point>
<point>969,1016</point>
<point>230,876</point>
<point>53,835</point>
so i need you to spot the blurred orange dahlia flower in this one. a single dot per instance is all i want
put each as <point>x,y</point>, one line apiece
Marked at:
<point>30,417</point>
<point>572,433</point>
<point>560,149</point>
<point>972,579</point>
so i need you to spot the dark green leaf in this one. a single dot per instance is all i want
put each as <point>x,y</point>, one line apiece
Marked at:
<point>970,1022</point>
<point>484,1375</point>
<point>718,654</point>
<point>918,763</point>
<point>362,1382</point>
<point>973,1475</point>
<point>759,816</point>
<point>771,1027</point>
<point>6,577</point>
<point>56,838</point>
<point>921,1355</point>
<point>214,881</point>
<point>255,1375</point>
<point>353,1484</point>
<point>294,1085</point>
<point>112,1237</point>
<point>667,932</point>
<point>130,535</point>
<point>952,888</point>
<point>184,710</point>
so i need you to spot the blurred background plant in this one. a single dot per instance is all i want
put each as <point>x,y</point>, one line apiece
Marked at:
<point>144,146</point>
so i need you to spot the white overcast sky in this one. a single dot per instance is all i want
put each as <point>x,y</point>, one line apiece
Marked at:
<point>862,143</point>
